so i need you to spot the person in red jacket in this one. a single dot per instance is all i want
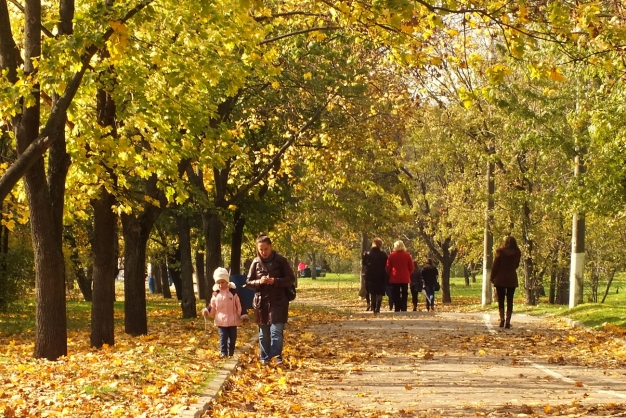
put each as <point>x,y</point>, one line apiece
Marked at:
<point>399,268</point>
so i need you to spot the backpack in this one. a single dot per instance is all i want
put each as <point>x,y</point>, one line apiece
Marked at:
<point>290,292</point>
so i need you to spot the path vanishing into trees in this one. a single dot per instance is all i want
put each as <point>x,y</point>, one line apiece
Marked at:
<point>433,364</point>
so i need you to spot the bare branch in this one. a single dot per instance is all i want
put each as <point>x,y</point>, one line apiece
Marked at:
<point>298,32</point>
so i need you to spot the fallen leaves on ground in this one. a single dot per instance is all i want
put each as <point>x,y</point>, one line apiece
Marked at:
<point>329,357</point>
<point>154,375</point>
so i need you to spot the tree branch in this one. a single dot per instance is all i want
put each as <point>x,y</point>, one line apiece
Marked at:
<point>21,165</point>
<point>43,28</point>
<point>57,115</point>
<point>244,190</point>
<point>298,32</point>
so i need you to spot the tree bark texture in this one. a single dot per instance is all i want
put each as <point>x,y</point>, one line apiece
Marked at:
<point>214,246</point>
<point>156,275</point>
<point>527,260</point>
<point>50,332</point>
<point>203,286</point>
<point>188,301</point>
<point>84,282</point>
<point>136,228</point>
<point>487,288</point>
<point>104,270</point>
<point>135,240</point>
<point>364,248</point>
<point>165,282</point>
<point>236,243</point>
<point>174,265</point>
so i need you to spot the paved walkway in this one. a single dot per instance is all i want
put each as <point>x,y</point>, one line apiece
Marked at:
<point>442,364</point>
<point>453,364</point>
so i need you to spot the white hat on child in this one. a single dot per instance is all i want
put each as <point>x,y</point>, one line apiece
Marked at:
<point>221,273</point>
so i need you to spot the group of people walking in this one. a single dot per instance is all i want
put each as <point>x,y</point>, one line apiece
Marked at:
<point>270,275</point>
<point>397,272</point>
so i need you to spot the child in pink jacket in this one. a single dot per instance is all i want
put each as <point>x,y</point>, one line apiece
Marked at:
<point>226,308</point>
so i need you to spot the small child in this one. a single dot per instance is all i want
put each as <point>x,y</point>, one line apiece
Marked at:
<point>226,307</point>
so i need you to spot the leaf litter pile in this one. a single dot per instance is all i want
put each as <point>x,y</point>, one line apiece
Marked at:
<point>330,357</point>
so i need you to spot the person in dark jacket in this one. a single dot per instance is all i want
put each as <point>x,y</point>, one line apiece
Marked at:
<point>504,277</point>
<point>429,275</point>
<point>399,268</point>
<point>270,274</point>
<point>375,262</point>
<point>417,284</point>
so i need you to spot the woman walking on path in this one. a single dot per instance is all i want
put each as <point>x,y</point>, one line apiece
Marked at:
<point>270,275</point>
<point>504,277</point>
<point>399,268</point>
<point>375,262</point>
<point>429,275</point>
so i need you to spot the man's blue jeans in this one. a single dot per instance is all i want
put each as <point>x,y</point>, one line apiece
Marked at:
<point>271,341</point>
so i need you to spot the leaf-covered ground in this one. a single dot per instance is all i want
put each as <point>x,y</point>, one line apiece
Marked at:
<point>150,376</point>
<point>337,365</point>
<point>419,364</point>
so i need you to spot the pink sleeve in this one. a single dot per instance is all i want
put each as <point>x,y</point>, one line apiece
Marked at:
<point>237,305</point>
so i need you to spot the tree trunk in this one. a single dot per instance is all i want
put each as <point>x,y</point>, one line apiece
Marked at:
<point>174,265</point>
<point>445,282</point>
<point>487,288</point>
<point>527,262</point>
<point>135,240</point>
<point>473,272</point>
<point>136,229</point>
<point>5,249</point>
<point>203,286</point>
<point>447,259</point>
<point>552,296</point>
<point>364,248</point>
<point>50,328</point>
<point>577,261</point>
<point>466,274</point>
<point>608,285</point>
<point>156,275</point>
<point>104,269</point>
<point>236,243</point>
<point>214,246</point>
<point>165,281</point>
<point>314,263</point>
<point>84,282</point>
<point>188,303</point>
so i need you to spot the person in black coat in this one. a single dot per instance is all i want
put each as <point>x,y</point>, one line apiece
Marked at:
<point>417,284</point>
<point>429,275</point>
<point>376,277</point>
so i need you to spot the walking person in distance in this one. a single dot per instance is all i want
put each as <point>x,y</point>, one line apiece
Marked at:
<point>399,268</point>
<point>504,277</point>
<point>429,275</point>
<point>375,262</point>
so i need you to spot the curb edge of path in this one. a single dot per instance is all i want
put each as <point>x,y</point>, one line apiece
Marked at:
<point>212,390</point>
<point>216,384</point>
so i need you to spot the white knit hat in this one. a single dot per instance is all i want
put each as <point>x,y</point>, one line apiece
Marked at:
<point>221,273</point>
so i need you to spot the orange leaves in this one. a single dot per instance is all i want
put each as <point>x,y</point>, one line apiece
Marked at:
<point>152,375</point>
